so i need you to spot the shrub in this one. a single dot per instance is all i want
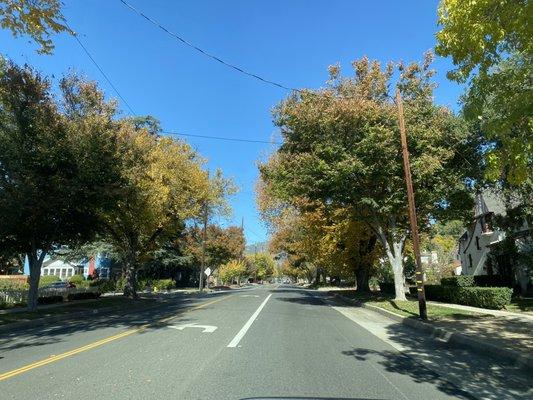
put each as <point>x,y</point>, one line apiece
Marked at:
<point>484,297</point>
<point>77,279</point>
<point>458,281</point>
<point>493,281</point>
<point>8,284</point>
<point>104,285</point>
<point>50,299</point>
<point>83,295</point>
<point>386,287</point>
<point>163,284</point>
<point>48,279</point>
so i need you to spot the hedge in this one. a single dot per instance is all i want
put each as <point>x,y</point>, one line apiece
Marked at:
<point>458,281</point>
<point>493,281</point>
<point>50,299</point>
<point>48,279</point>
<point>484,297</point>
<point>77,279</point>
<point>163,284</point>
<point>386,287</point>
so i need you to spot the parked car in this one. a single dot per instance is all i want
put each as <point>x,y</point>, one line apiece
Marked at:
<point>63,285</point>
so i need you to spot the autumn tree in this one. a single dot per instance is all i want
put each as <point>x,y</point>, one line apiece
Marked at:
<point>36,19</point>
<point>233,269</point>
<point>491,44</point>
<point>342,148</point>
<point>162,186</point>
<point>57,169</point>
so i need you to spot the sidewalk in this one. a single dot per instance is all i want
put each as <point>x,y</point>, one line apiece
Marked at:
<point>504,334</point>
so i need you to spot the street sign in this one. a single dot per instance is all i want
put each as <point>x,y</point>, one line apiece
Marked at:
<point>207,271</point>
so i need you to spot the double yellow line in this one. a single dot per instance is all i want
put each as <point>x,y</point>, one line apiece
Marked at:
<point>52,359</point>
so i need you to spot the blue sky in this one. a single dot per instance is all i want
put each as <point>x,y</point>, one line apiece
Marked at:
<point>289,41</point>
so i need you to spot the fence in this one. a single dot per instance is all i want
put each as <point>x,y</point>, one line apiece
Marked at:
<point>20,296</point>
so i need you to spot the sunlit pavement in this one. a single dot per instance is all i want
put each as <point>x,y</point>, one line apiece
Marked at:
<point>267,342</point>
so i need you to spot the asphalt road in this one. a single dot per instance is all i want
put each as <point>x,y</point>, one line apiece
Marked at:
<point>266,342</point>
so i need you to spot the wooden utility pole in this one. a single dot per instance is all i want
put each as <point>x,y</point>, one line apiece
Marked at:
<point>204,239</point>
<point>412,211</point>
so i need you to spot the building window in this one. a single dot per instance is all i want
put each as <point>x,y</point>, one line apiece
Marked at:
<point>52,271</point>
<point>470,263</point>
<point>63,272</point>
<point>477,243</point>
<point>69,272</point>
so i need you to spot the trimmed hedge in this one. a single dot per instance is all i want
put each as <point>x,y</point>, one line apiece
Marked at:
<point>484,297</point>
<point>493,281</point>
<point>458,281</point>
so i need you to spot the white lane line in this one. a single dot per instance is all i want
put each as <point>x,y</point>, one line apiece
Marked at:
<point>235,341</point>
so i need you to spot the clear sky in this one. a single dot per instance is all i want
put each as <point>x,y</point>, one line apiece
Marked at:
<point>289,41</point>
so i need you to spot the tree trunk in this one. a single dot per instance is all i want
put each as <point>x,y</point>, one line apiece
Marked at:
<point>35,261</point>
<point>130,280</point>
<point>362,277</point>
<point>395,257</point>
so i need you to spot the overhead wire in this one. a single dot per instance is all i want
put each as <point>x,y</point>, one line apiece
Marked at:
<point>203,52</point>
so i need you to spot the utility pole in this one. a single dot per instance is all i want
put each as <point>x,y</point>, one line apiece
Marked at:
<point>412,211</point>
<point>204,239</point>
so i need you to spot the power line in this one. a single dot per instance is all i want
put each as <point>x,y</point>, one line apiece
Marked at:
<point>233,139</point>
<point>101,70</point>
<point>203,52</point>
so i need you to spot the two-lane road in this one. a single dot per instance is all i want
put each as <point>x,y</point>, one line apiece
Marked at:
<point>269,342</point>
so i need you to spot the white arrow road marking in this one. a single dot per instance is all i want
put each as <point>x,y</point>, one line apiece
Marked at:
<point>206,328</point>
<point>249,295</point>
<point>235,341</point>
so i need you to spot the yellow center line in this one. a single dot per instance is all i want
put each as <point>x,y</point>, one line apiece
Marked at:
<point>51,359</point>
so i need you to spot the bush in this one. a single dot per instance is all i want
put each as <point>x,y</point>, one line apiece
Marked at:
<point>83,295</point>
<point>458,281</point>
<point>386,287</point>
<point>104,285</point>
<point>163,284</point>
<point>493,281</point>
<point>484,297</point>
<point>8,284</point>
<point>50,299</point>
<point>48,279</point>
<point>77,279</point>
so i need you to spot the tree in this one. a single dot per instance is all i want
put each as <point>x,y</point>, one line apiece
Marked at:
<point>261,266</point>
<point>234,269</point>
<point>491,43</point>
<point>37,19</point>
<point>222,245</point>
<point>162,186</point>
<point>57,172</point>
<point>342,148</point>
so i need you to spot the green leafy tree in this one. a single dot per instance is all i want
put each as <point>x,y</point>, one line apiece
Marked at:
<point>36,19</point>
<point>342,148</point>
<point>234,269</point>
<point>57,171</point>
<point>491,43</point>
<point>162,186</point>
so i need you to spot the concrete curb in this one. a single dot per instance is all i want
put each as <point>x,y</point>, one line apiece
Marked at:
<point>453,338</point>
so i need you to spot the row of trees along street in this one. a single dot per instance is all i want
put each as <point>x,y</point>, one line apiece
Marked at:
<point>73,171</point>
<point>334,193</point>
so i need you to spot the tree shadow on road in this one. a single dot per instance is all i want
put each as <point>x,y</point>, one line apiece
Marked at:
<point>451,370</point>
<point>53,332</point>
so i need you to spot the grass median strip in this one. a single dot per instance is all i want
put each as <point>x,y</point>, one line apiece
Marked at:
<point>409,308</point>
<point>70,353</point>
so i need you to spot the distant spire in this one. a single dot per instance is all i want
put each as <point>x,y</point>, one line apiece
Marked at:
<point>480,207</point>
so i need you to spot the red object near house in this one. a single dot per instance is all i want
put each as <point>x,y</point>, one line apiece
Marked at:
<point>91,270</point>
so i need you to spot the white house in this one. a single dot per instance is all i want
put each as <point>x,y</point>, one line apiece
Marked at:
<point>62,269</point>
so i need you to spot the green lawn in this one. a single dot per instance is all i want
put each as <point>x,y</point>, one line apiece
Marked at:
<point>521,305</point>
<point>74,307</point>
<point>409,308</point>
